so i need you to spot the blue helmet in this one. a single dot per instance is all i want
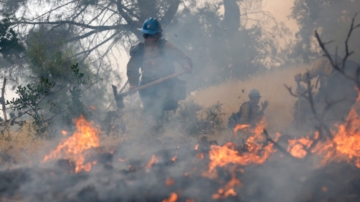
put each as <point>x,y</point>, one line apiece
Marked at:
<point>151,26</point>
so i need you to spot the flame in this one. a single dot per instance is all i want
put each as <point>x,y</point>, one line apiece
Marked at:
<point>240,127</point>
<point>64,132</point>
<point>84,138</point>
<point>174,158</point>
<point>173,198</point>
<point>122,160</point>
<point>200,155</point>
<point>228,189</point>
<point>169,181</point>
<point>257,153</point>
<point>346,143</point>
<point>153,160</point>
<point>324,189</point>
<point>358,91</point>
<point>345,146</point>
<point>196,147</point>
<point>297,148</point>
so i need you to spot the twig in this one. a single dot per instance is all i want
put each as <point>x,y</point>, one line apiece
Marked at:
<point>348,53</point>
<point>268,138</point>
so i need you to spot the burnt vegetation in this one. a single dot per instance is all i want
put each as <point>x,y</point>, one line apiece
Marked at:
<point>60,65</point>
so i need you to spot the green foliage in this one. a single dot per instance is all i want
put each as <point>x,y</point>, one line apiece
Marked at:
<point>195,120</point>
<point>10,45</point>
<point>331,18</point>
<point>37,101</point>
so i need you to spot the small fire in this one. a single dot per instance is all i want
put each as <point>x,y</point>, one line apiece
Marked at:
<point>84,138</point>
<point>196,147</point>
<point>153,160</point>
<point>64,132</point>
<point>228,189</point>
<point>122,160</point>
<point>174,158</point>
<point>345,146</point>
<point>173,198</point>
<point>200,155</point>
<point>169,182</point>
<point>324,189</point>
<point>358,98</point>
<point>257,153</point>
<point>240,127</point>
<point>297,147</point>
<point>346,143</point>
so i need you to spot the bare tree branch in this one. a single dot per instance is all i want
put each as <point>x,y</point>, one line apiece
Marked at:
<point>334,63</point>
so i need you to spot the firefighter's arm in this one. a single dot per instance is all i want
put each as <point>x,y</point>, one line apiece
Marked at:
<point>178,56</point>
<point>133,66</point>
<point>245,114</point>
<point>133,71</point>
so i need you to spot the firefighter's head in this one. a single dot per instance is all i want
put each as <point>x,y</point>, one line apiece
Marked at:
<point>151,30</point>
<point>254,96</point>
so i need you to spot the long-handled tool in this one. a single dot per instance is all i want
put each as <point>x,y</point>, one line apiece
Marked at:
<point>119,97</point>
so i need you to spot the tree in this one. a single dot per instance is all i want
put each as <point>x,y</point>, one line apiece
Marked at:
<point>11,49</point>
<point>329,17</point>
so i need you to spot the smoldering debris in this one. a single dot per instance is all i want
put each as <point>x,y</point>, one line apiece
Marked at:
<point>149,169</point>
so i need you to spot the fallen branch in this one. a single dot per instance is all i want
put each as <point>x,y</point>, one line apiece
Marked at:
<point>268,138</point>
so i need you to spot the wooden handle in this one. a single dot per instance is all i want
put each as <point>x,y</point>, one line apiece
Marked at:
<point>153,83</point>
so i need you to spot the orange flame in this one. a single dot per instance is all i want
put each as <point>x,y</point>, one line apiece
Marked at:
<point>346,143</point>
<point>169,181</point>
<point>358,98</point>
<point>200,155</point>
<point>64,132</point>
<point>174,158</point>
<point>240,127</point>
<point>345,146</point>
<point>84,138</point>
<point>173,198</point>
<point>297,147</point>
<point>153,160</point>
<point>228,189</point>
<point>196,147</point>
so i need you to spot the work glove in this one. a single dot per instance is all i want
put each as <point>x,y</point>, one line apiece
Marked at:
<point>264,105</point>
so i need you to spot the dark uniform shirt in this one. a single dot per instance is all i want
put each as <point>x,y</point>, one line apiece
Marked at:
<point>154,63</point>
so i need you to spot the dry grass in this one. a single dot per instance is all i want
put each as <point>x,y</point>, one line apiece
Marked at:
<point>23,144</point>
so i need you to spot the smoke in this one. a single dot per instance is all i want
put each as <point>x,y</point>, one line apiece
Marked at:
<point>136,161</point>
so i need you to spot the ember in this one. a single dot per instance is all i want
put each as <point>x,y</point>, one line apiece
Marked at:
<point>153,160</point>
<point>173,198</point>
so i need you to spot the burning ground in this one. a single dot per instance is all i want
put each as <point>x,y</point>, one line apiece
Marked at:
<point>247,164</point>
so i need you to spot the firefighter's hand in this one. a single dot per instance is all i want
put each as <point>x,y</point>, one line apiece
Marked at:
<point>188,68</point>
<point>297,78</point>
<point>264,105</point>
<point>131,90</point>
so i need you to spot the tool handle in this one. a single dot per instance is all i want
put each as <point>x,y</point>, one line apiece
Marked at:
<point>152,83</point>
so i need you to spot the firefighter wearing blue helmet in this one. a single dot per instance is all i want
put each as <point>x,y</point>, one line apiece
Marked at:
<point>155,57</point>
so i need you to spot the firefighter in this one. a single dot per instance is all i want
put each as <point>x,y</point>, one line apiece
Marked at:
<point>250,112</point>
<point>155,57</point>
